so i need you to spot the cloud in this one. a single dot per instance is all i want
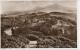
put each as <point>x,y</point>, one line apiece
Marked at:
<point>8,6</point>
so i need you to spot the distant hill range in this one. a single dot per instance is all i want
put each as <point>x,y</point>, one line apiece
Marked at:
<point>49,8</point>
<point>54,8</point>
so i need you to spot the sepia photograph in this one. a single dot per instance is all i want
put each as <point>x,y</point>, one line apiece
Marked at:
<point>39,24</point>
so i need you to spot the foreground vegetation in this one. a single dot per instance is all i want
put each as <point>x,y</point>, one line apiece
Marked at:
<point>50,30</point>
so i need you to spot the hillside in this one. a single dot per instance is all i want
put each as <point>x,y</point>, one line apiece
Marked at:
<point>50,30</point>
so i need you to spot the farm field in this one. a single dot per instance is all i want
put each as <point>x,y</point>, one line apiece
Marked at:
<point>49,30</point>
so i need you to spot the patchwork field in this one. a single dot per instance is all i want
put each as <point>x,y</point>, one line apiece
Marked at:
<point>49,30</point>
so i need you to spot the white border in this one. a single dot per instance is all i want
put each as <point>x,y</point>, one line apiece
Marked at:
<point>78,30</point>
<point>78,23</point>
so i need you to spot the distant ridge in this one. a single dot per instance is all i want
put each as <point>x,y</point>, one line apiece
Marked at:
<point>57,8</point>
<point>50,8</point>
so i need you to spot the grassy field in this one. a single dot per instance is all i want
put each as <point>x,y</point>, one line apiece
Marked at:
<point>40,28</point>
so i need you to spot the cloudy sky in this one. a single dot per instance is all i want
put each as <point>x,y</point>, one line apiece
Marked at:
<point>10,6</point>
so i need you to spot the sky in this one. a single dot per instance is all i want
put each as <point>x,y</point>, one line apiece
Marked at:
<point>11,6</point>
